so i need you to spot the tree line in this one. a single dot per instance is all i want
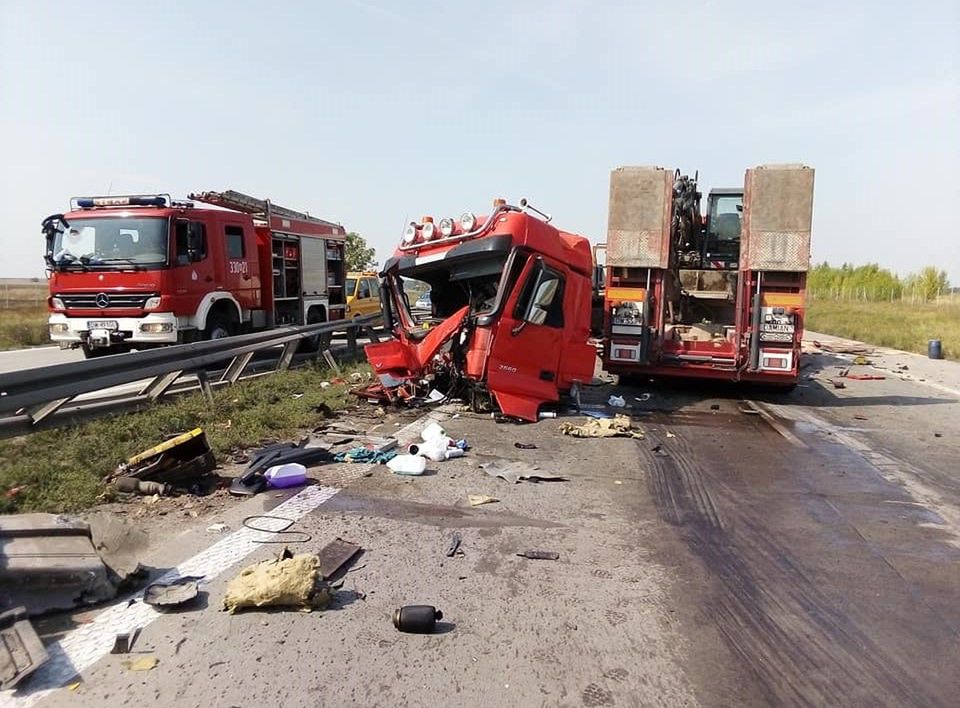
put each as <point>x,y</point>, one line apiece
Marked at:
<point>871,282</point>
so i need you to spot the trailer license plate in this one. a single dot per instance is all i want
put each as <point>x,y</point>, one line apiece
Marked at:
<point>102,324</point>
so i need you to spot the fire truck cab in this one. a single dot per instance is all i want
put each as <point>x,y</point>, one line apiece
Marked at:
<point>510,311</point>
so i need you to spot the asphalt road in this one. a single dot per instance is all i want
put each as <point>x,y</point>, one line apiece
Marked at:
<point>796,551</point>
<point>35,357</point>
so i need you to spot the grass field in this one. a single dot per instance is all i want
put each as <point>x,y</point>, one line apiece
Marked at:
<point>62,470</point>
<point>900,325</point>
<point>23,313</point>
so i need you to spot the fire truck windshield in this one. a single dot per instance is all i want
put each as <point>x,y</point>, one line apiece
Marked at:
<point>112,243</point>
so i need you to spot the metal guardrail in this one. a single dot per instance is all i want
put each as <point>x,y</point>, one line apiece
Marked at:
<point>42,391</point>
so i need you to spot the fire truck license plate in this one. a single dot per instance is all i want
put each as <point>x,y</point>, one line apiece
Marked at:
<point>102,324</point>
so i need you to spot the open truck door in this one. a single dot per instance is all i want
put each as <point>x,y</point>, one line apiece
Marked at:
<point>525,358</point>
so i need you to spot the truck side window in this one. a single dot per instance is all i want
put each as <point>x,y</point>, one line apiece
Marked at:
<point>541,300</point>
<point>235,247</point>
<point>374,287</point>
<point>183,232</point>
<point>364,290</point>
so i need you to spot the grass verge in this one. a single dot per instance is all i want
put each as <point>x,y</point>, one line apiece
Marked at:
<point>23,327</point>
<point>900,325</point>
<point>62,470</point>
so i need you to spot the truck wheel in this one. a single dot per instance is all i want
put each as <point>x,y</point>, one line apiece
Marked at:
<point>311,345</point>
<point>217,328</point>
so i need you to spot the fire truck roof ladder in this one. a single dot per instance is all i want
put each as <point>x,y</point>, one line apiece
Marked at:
<point>238,201</point>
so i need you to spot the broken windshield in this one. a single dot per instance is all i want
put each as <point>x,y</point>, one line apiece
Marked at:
<point>119,243</point>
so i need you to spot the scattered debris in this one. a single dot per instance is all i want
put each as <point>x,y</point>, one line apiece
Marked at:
<point>670,435</point>
<point>413,465</point>
<point>287,581</point>
<point>860,417</point>
<point>132,485</point>
<point>616,402</point>
<point>454,545</point>
<point>335,555</point>
<point>21,651</point>
<point>173,593</point>
<point>144,663</point>
<point>54,562</point>
<point>184,462</point>
<point>418,619</point>
<point>642,398</point>
<point>276,530</point>
<point>291,474</point>
<point>365,455</point>
<point>524,446</point>
<point>714,406</point>
<point>837,383</point>
<point>861,360</point>
<point>866,377</point>
<point>123,642</point>
<point>478,499</point>
<point>938,435</point>
<point>540,555</point>
<point>516,471</point>
<point>217,528</point>
<point>849,348</point>
<point>618,426</point>
<point>253,481</point>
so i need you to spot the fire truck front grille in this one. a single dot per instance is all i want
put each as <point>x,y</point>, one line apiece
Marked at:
<point>103,301</point>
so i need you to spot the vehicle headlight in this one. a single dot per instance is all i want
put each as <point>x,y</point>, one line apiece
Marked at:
<point>446,227</point>
<point>428,230</point>
<point>468,221</point>
<point>57,304</point>
<point>152,303</point>
<point>410,233</point>
<point>59,328</point>
<point>156,327</point>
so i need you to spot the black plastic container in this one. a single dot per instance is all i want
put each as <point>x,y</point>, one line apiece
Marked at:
<point>419,619</point>
<point>934,349</point>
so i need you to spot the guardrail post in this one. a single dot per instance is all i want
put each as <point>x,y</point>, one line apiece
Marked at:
<point>352,340</point>
<point>371,334</point>
<point>47,408</point>
<point>205,386</point>
<point>236,368</point>
<point>331,362</point>
<point>286,358</point>
<point>160,385</point>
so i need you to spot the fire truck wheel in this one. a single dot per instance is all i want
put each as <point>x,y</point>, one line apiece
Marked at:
<point>216,329</point>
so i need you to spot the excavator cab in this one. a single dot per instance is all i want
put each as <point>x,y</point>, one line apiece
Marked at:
<point>721,245</point>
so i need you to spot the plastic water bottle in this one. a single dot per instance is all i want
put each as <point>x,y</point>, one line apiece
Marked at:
<point>288,475</point>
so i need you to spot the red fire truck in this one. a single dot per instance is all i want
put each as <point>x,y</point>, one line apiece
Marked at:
<point>143,271</point>
<point>719,296</point>
<point>510,296</point>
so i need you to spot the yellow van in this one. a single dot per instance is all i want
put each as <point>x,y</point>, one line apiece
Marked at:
<point>363,294</point>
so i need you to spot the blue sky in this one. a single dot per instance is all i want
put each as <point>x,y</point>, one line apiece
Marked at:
<point>370,112</point>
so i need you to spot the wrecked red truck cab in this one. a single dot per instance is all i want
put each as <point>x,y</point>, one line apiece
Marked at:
<point>510,312</point>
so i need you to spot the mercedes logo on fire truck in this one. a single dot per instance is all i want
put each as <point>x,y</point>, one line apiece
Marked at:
<point>102,300</point>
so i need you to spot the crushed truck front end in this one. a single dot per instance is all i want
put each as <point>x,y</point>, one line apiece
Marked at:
<point>510,312</point>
